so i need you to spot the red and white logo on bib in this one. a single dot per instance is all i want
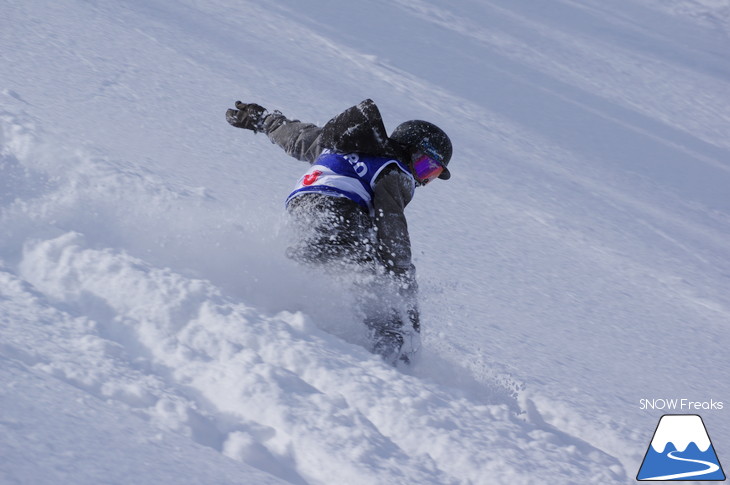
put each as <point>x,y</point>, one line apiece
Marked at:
<point>310,178</point>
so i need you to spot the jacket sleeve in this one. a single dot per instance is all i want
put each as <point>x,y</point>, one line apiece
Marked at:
<point>392,192</point>
<point>299,140</point>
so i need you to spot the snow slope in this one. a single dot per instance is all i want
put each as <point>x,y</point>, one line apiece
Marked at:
<point>578,261</point>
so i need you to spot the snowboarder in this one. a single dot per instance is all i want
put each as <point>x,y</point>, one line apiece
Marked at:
<point>348,207</point>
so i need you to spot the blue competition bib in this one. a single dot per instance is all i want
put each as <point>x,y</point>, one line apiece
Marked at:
<point>346,175</point>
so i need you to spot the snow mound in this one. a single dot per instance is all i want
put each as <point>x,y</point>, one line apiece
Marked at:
<point>272,391</point>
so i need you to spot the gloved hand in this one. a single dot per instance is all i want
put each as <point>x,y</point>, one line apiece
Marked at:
<point>248,116</point>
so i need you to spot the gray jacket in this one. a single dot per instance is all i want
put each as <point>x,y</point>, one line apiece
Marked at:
<point>392,191</point>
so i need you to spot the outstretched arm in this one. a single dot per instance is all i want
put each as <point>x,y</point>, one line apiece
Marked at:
<point>299,140</point>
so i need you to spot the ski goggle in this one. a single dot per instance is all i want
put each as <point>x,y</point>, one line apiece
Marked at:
<point>426,168</point>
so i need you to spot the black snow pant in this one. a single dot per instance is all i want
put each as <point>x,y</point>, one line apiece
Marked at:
<point>331,231</point>
<point>337,234</point>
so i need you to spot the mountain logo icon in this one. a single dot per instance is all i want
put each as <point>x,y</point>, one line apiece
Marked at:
<point>681,450</point>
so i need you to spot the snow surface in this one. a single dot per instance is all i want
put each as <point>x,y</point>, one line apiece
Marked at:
<point>578,261</point>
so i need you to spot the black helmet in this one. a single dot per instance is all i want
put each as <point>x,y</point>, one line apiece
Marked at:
<point>425,137</point>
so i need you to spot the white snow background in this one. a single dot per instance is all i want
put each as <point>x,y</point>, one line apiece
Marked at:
<point>578,261</point>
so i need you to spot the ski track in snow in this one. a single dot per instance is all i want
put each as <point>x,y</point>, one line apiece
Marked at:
<point>152,331</point>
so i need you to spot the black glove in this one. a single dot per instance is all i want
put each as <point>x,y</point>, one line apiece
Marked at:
<point>248,116</point>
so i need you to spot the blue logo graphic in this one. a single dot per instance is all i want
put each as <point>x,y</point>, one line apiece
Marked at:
<point>681,450</point>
